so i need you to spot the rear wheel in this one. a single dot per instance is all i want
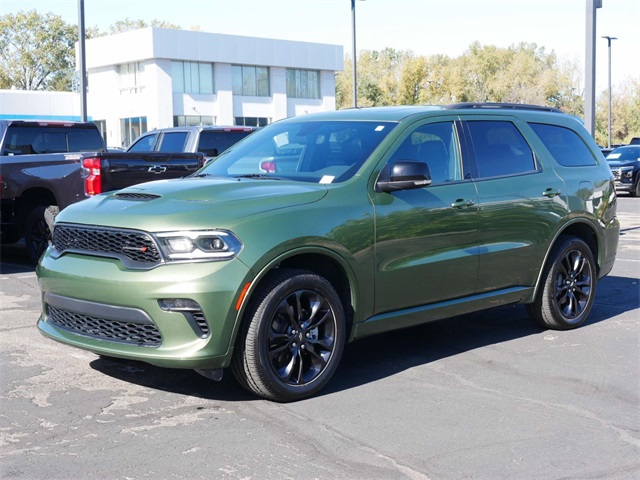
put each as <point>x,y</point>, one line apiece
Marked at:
<point>292,338</point>
<point>566,295</point>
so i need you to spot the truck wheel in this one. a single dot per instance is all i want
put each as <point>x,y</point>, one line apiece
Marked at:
<point>37,233</point>
<point>636,190</point>
<point>292,337</point>
<point>568,287</point>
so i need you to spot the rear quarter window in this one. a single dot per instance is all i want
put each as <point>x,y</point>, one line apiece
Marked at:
<point>565,146</point>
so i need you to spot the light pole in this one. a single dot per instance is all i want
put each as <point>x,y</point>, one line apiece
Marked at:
<point>609,39</point>
<point>353,38</point>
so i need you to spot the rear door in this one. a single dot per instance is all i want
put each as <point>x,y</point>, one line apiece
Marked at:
<point>520,202</point>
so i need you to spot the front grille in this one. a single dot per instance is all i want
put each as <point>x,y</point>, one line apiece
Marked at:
<point>133,247</point>
<point>136,196</point>
<point>142,335</point>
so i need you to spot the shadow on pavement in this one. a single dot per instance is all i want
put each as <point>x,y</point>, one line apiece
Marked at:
<point>387,354</point>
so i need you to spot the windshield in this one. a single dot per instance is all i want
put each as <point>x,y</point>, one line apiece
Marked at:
<point>319,152</point>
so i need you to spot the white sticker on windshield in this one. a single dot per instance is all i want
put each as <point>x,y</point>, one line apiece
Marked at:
<point>327,179</point>
<point>379,128</point>
<point>614,155</point>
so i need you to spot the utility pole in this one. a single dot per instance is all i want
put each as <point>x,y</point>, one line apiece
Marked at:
<point>590,66</point>
<point>609,48</point>
<point>82,66</point>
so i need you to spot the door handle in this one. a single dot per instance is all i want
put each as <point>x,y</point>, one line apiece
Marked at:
<point>551,192</point>
<point>460,203</point>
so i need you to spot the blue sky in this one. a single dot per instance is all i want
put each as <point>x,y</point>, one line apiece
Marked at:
<point>424,26</point>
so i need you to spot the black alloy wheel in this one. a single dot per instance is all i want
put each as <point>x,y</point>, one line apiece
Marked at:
<point>566,296</point>
<point>292,338</point>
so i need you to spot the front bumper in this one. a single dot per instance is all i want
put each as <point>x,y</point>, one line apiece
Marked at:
<point>98,305</point>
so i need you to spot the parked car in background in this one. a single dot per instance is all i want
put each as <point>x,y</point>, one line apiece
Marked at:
<point>46,166</point>
<point>325,228</point>
<point>625,164</point>
<point>211,141</point>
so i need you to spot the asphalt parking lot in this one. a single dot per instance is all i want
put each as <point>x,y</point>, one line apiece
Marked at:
<point>484,396</point>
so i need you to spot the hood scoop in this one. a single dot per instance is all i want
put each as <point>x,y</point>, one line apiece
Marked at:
<point>139,197</point>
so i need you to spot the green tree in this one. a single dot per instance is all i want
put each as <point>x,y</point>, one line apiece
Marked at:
<point>625,120</point>
<point>38,51</point>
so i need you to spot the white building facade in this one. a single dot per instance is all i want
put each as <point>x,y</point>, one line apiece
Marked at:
<point>155,78</point>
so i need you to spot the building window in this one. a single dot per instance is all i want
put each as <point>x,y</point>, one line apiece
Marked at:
<point>193,120</point>
<point>192,77</point>
<point>303,83</point>
<point>131,77</point>
<point>251,121</point>
<point>102,127</point>
<point>132,128</point>
<point>250,81</point>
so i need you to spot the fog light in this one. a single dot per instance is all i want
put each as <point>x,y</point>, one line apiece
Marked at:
<point>179,304</point>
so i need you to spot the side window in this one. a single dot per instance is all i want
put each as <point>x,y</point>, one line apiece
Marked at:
<point>85,140</point>
<point>144,144</point>
<point>565,145</point>
<point>500,149</point>
<point>173,142</point>
<point>435,144</point>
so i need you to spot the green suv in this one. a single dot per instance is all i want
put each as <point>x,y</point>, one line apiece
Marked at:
<point>321,229</point>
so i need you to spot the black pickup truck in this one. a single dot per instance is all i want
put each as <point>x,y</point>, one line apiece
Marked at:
<point>45,166</point>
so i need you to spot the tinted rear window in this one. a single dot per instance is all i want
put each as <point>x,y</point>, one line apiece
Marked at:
<point>213,144</point>
<point>22,140</point>
<point>565,146</point>
<point>173,142</point>
<point>500,149</point>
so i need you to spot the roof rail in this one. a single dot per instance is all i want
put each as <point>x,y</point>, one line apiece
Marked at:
<point>509,106</point>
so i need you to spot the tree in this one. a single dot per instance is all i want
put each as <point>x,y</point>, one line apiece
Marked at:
<point>38,51</point>
<point>126,25</point>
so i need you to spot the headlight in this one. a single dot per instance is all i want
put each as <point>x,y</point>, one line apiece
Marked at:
<point>198,245</point>
<point>626,172</point>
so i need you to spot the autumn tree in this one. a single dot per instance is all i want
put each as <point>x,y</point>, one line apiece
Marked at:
<point>38,51</point>
<point>127,24</point>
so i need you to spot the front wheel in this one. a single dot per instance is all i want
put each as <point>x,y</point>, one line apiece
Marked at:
<point>292,337</point>
<point>37,231</point>
<point>568,287</point>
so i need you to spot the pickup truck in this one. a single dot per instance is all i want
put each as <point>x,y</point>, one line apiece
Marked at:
<point>208,140</point>
<point>46,166</point>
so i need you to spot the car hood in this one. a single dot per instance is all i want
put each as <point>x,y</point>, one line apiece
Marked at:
<point>191,203</point>
<point>623,163</point>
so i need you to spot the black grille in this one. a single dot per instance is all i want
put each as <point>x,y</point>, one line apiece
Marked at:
<point>136,196</point>
<point>138,247</point>
<point>145,335</point>
<point>201,322</point>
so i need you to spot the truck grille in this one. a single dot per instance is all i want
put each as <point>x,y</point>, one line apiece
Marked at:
<point>134,248</point>
<point>142,335</point>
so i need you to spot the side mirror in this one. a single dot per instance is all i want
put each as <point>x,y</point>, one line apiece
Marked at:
<point>403,175</point>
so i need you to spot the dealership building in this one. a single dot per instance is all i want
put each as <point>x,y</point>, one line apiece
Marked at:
<point>153,78</point>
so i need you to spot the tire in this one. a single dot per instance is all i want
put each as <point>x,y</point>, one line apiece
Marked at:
<point>568,287</point>
<point>37,234</point>
<point>292,337</point>
<point>636,190</point>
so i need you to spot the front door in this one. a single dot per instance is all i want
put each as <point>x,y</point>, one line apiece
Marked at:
<point>427,239</point>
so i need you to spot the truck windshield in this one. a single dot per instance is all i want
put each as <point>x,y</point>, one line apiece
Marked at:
<point>306,151</point>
